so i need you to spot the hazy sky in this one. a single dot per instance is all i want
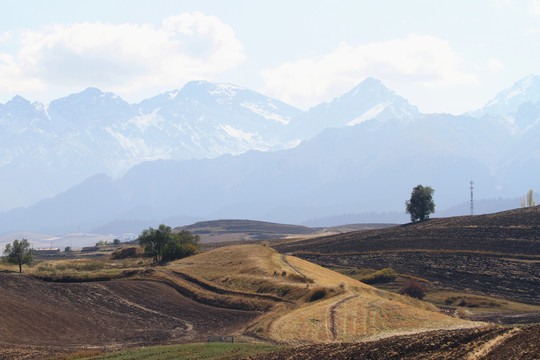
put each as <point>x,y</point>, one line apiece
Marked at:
<point>443,56</point>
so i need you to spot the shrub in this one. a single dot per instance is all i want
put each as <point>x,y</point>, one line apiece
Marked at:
<point>413,289</point>
<point>127,252</point>
<point>176,250</point>
<point>80,265</point>
<point>300,278</point>
<point>317,294</point>
<point>283,290</point>
<point>379,277</point>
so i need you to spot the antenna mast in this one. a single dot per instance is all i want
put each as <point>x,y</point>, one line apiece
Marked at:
<point>472,201</point>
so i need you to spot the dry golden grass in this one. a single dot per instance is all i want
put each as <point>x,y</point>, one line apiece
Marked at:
<point>360,311</point>
<point>256,277</point>
<point>349,310</point>
<point>246,268</point>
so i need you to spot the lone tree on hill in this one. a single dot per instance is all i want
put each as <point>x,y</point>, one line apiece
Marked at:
<point>421,203</point>
<point>164,245</point>
<point>19,253</point>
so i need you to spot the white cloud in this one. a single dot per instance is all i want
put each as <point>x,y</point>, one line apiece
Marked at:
<point>423,61</point>
<point>535,7</point>
<point>494,65</point>
<point>6,36</point>
<point>122,58</point>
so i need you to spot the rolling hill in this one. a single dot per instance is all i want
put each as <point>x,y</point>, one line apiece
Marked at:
<point>249,230</point>
<point>248,290</point>
<point>497,254</point>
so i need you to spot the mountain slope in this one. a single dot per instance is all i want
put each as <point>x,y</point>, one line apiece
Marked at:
<point>368,100</point>
<point>370,167</point>
<point>93,132</point>
<point>519,105</point>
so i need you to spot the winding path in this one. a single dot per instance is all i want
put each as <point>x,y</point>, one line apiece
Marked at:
<point>284,259</point>
<point>333,326</point>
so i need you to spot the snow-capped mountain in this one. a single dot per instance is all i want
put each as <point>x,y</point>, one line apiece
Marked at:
<point>49,149</point>
<point>352,151</point>
<point>519,104</point>
<point>369,100</point>
<point>44,151</point>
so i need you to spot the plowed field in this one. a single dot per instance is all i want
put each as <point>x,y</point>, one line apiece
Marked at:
<point>484,343</point>
<point>496,254</point>
<point>59,317</point>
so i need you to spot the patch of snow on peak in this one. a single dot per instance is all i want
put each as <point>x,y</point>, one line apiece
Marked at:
<point>514,93</point>
<point>138,150</point>
<point>238,133</point>
<point>225,89</point>
<point>142,122</point>
<point>265,114</point>
<point>370,114</point>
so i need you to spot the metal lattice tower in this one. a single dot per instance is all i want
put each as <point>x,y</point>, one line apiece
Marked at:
<point>472,201</point>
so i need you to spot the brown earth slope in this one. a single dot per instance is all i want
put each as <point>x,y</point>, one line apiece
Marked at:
<point>65,316</point>
<point>496,254</point>
<point>480,343</point>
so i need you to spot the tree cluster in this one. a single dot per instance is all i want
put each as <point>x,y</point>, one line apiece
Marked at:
<point>164,245</point>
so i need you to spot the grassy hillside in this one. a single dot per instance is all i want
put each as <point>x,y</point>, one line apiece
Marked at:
<point>249,291</point>
<point>319,304</point>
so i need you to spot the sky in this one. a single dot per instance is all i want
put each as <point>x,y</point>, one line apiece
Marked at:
<point>443,56</point>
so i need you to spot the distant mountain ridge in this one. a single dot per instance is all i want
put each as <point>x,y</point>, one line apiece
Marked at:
<point>93,132</point>
<point>373,149</point>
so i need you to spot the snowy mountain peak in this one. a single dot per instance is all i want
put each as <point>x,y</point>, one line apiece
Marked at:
<point>22,110</point>
<point>373,91</point>
<point>370,84</point>
<point>206,88</point>
<point>91,92</point>
<point>509,100</point>
<point>370,99</point>
<point>17,101</point>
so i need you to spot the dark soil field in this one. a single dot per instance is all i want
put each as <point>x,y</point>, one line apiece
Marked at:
<point>511,279</point>
<point>47,318</point>
<point>496,254</point>
<point>484,343</point>
<point>509,232</point>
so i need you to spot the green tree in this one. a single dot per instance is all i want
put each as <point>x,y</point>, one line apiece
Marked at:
<point>528,200</point>
<point>421,203</point>
<point>164,245</point>
<point>19,253</point>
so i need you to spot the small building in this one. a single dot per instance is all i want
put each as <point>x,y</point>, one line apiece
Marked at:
<point>46,251</point>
